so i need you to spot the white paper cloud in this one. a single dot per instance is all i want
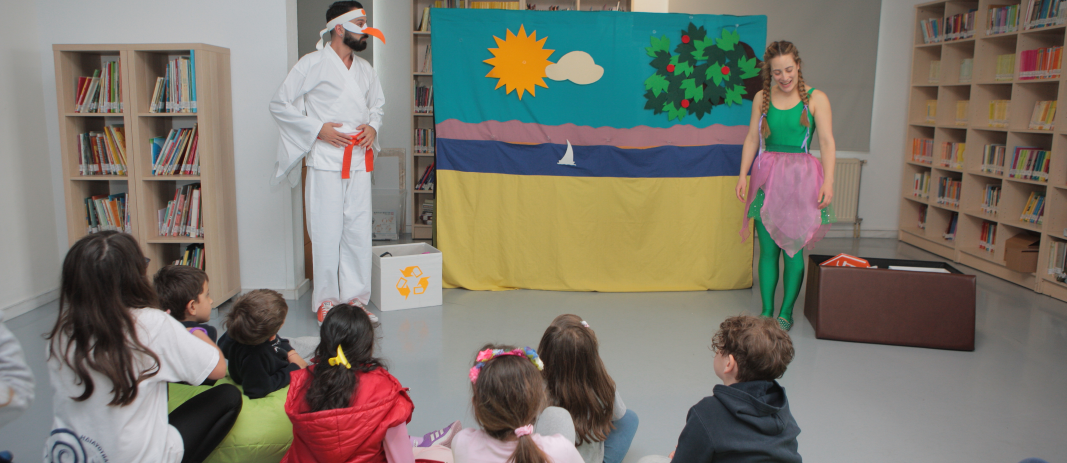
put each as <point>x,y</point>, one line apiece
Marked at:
<point>577,67</point>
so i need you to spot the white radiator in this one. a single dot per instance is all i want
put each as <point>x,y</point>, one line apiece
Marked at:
<point>846,200</point>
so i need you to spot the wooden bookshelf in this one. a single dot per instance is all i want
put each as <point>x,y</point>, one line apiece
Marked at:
<point>139,65</point>
<point>948,87</point>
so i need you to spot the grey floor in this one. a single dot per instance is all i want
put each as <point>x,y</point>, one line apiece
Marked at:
<point>854,402</point>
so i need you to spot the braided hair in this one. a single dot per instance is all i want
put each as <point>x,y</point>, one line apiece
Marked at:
<point>774,50</point>
<point>333,386</point>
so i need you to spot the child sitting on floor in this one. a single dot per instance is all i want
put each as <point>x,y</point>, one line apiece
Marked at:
<point>748,418</point>
<point>183,293</point>
<point>259,360</point>
<point>347,407</point>
<point>508,394</point>
<point>582,394</point>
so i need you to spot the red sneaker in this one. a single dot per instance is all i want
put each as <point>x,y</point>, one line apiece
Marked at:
<point>324,308</point>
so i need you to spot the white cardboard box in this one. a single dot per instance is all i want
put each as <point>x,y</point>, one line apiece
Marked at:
<point>409,278</point>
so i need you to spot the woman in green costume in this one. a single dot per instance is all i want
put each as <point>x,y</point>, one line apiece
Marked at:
<point>790,191</point>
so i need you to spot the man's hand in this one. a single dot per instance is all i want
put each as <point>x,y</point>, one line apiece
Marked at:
<point>366,139</point>
<point>295,358</point>
<point>330,135</point>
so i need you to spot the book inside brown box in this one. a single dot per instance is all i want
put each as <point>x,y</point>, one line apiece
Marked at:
<point>1020,252</point>
<point>897,307</point>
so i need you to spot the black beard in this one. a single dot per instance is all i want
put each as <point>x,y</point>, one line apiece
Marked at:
<point>356,44</point>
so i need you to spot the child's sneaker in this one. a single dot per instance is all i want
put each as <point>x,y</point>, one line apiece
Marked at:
<point>441,437</point>
<point>323,309</point>
<point>356,303</point>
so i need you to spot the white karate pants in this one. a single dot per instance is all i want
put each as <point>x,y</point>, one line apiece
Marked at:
<point>339,223</point>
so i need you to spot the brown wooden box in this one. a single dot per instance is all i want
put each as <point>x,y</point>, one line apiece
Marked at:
<point>897,307</point>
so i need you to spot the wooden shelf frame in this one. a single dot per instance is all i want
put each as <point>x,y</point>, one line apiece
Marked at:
<point>139,65</point>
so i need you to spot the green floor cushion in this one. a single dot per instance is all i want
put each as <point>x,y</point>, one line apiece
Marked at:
<point>262,432</point>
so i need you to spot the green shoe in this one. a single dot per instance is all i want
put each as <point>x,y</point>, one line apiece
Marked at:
<point>785,324</point>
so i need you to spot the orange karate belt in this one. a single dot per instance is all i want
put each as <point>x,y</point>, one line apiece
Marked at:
<point>346,163</point>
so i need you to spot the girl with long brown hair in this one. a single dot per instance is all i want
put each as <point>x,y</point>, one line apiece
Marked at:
<point>790,192</point>
<point>110,358</point>
<point>508,394</point>
<point>582,394</point>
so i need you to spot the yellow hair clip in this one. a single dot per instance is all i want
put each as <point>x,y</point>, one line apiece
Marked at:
<point>340,359</point>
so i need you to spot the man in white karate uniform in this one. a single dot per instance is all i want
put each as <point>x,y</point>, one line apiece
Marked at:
<point>330,109</point>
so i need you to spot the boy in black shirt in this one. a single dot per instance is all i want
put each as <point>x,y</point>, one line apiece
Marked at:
<point>183,293</point>
<point>748,418</point>
<point>259,360</point>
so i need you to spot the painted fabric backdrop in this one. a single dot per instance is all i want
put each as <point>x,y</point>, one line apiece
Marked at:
<point>592,151</point>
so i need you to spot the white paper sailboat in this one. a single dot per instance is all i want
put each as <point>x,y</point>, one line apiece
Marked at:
<point>568,157</point>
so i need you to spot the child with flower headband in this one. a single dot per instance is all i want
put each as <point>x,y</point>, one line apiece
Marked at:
<point>346,407</point>
<point>582,394</point>
<point>508,394</point>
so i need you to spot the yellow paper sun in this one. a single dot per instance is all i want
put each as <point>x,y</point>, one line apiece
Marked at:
<point>519,62</point>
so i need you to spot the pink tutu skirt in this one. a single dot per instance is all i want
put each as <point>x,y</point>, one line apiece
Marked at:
<point>787,184</point>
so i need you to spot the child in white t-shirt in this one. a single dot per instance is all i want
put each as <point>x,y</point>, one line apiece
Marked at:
<point>509,393</point>
<point>110,358</point>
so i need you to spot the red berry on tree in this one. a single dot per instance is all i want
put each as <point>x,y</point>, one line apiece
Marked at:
<point>670,68</point>
<point>685,39</point>
<point>725,70</point>
<point>685,103</point>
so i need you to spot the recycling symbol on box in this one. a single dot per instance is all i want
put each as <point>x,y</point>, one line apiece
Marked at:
<point>412,281</point>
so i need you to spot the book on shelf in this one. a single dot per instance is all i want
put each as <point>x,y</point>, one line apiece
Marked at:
<point>1002,19</point>
<point>193,256</point>
<point>960,26</point>
<point>424,25</point>
<point>175,91</point>
<point>931,30</point>
<point>993,159</point>
<point>962,106</point>
<point>108,212</point>
<point>423,99</point>
<point>922,185</point>
<point>987,239</point>
<point>1043,115</point>
<point>103,152</point>
<point>424,141</point>
<point>922,150</point>
<point>1029,163</point>
<point>950,231</point>
<point>935,71</point>
<point>1005,71</point>
<point>449,4</point>
<point>495,5</point>
<point>990,199</point>
<point>176,154</point>
<point>1057,260</point>
<point>183,215</point>
<point>1034,211</point>
<point>948,192</point>
<point>966,70</point>
<point>1043,13</point>
<point>931,111</point>
<point>427,61</point>
<point>1040,63</point>
<point>100,93</point>
<point>998,113</point>
<point>922,216</point>
<point>426,210</point>
<point>951,155</point>
<point>427,180</point>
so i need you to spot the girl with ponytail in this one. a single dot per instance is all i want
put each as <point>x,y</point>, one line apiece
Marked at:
<point>508,394</point>
<point>346,407</point>
<point>790,192</point>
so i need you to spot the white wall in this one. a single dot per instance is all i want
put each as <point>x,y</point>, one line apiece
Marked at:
<point>29,275</point>
<point>392,61</point>
<point>261,39</point>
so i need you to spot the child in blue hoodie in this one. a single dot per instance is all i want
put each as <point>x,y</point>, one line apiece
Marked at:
<point>748,418</point>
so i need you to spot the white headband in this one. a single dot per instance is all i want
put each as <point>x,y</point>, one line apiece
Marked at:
<point>343,20</point>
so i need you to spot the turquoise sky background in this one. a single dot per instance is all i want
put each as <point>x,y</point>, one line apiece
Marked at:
<point>616,40</point>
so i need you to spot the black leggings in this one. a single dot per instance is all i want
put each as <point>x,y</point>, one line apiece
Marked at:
<point>204,420</point>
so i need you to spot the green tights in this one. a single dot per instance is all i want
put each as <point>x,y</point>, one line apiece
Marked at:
<point>768,274</point>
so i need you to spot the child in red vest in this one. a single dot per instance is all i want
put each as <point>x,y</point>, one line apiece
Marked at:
<point>348,408</point>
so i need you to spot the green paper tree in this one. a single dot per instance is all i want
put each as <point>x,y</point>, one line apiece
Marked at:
<point>701,73</point>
